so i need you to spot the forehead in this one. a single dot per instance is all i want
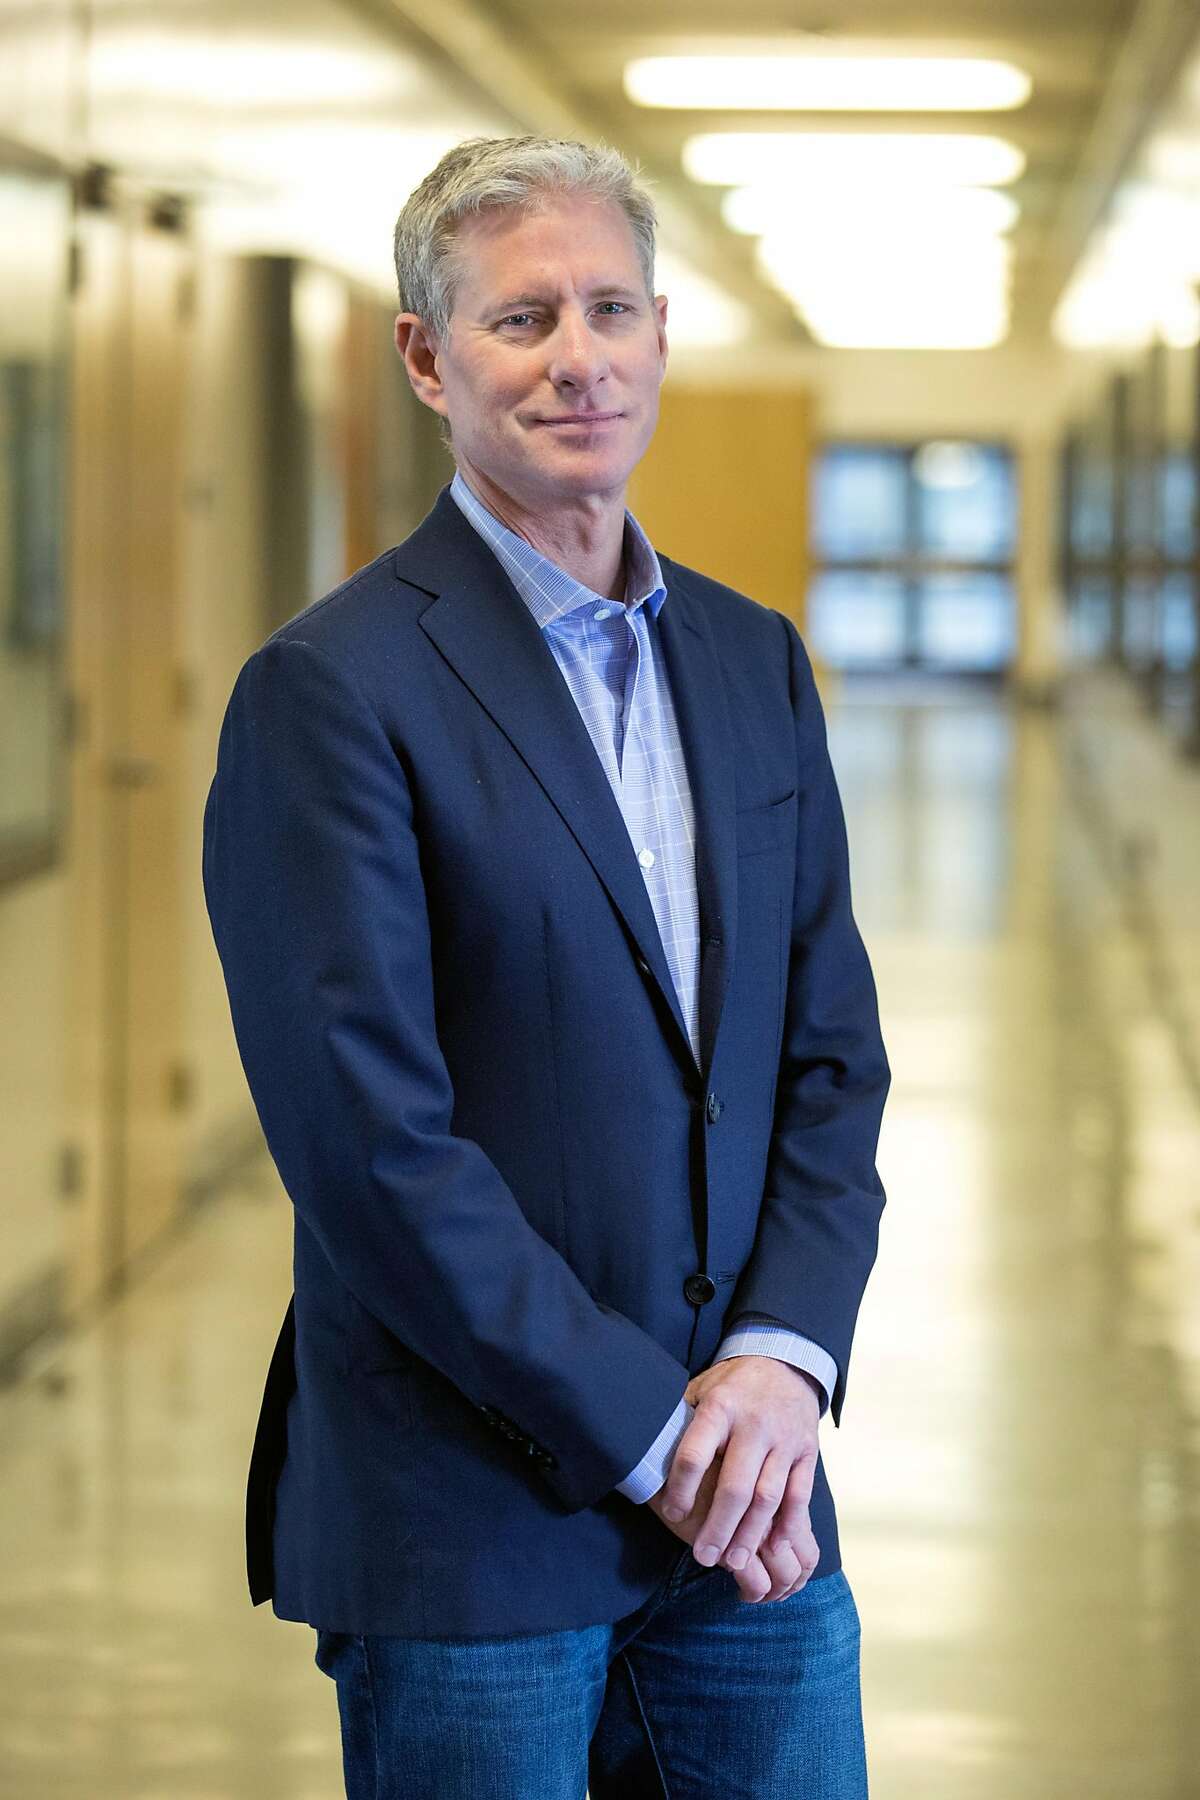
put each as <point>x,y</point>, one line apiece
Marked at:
<point>567,242</point>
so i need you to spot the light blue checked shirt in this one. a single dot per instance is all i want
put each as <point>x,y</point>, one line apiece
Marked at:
<point>609,657</point>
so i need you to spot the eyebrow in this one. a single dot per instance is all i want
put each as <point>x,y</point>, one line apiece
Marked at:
<point>610,292</point>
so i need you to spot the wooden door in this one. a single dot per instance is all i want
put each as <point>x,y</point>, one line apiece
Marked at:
<point>126,1089</point>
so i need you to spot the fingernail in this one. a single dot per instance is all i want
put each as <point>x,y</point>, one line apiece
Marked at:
<point>674,1512</point>
<point>738,1559</point>
<point>707,1554</point>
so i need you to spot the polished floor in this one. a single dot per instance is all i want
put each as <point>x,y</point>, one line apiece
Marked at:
<point>1017,1464</point>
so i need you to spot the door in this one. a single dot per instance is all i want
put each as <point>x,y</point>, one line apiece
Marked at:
<point>126,1088</point>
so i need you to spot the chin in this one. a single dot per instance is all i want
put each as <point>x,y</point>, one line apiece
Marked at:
<point>596,465</point>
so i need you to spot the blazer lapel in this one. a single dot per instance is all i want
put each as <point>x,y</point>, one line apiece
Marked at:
<point>483,628</point>
<point>702,712</point>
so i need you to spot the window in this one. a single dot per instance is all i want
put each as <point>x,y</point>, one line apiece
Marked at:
<point>913,551</point>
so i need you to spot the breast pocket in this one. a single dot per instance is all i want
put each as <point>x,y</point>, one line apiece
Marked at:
<point>767,825</point>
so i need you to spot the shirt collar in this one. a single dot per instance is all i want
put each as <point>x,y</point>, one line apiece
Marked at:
<point>548,590</point>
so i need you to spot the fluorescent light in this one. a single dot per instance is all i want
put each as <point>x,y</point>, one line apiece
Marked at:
<point>884,263</point>
<point>882,325</point>
<point>811,81</point>
<point>1123,296</point>
<point>1156,227</point>
<point>951,159</point>
<point>863,301</point>
<point>700,314</point>
<point>859,207</point>
<point>226,71</point>
<point>323,157</point>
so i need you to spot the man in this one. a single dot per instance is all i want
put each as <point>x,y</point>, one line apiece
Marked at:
<point>528,873</point>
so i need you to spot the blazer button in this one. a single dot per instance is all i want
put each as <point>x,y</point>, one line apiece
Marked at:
<point>714,1108</point>
<point>643,965</point>
<point>699,1289</point>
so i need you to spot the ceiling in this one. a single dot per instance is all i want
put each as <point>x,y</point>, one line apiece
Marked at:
<point>1098,68</point>
<point>304,126</point>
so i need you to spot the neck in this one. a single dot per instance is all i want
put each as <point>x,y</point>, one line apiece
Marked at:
<point>585,534</point>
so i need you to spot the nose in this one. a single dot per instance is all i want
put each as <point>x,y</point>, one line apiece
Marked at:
<point>578,354</point>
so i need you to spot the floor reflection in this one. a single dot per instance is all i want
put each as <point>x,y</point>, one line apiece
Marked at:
<point>1016,1472</point>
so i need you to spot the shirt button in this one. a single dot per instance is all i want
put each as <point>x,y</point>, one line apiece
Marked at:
<point>646,858</point>
<point>603,612</point>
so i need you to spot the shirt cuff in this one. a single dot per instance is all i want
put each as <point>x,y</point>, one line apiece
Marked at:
<point>772,1339</point>
<point>649,1475</point>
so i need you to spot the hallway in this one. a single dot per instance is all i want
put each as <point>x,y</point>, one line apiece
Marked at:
<point>1016,1472</point>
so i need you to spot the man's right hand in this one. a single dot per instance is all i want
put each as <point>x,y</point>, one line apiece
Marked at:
<point>770,1575</point>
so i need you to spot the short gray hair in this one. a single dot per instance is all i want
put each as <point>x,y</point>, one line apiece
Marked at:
<point>522,172</point>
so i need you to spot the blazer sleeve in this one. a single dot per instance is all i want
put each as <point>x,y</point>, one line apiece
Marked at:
<point>818,1225</point>
<point>314,891</point>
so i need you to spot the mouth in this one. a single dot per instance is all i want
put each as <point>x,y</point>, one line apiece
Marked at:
<point>581,421</point>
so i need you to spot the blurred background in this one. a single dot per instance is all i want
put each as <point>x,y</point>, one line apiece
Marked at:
<point>934,314</point>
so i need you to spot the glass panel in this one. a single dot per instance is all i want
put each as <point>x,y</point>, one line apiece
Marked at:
<point>1091,621</point>
<point>858,502</point>
<point>965,501</point>
<point>856,619</point>
<point>1140,622</point>
<point>1178,504</point>
<point>33,360</point>
<point>1092,524</point>
<point>966,621</point>
<point>1179,637</point>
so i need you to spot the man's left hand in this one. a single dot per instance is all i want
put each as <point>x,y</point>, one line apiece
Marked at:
<point>760,1415</point>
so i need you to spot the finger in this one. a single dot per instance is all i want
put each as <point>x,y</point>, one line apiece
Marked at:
<point>801,1582</point>
<point>753,1582</point>
<point>769,1491</point>
<point>784,1569</point>
<point>744,1458</point>
<point>693,1455</point>
<point>792,1519</point>
<point>803,1546</point>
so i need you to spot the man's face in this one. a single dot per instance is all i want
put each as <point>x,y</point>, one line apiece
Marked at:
<point>551,322</point>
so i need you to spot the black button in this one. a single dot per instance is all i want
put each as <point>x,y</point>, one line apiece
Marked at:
<point>643,965</point>
<point>699,1289</point>
<point>714,1108</point>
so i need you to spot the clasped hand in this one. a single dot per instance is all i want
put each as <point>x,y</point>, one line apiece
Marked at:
<point>742,1475</point>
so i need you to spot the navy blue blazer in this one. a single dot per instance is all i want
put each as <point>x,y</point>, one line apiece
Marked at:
<point>464,1045</point>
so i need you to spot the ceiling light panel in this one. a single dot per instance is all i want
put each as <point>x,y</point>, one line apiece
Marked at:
<point>244,72</point>
<point>951,159</point>
<point>810,81</point>
<point>831,211</point>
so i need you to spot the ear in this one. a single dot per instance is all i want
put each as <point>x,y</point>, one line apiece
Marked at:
<point>418,350</point>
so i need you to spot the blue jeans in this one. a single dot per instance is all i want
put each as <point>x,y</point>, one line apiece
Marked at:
<point>697,1693</point>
